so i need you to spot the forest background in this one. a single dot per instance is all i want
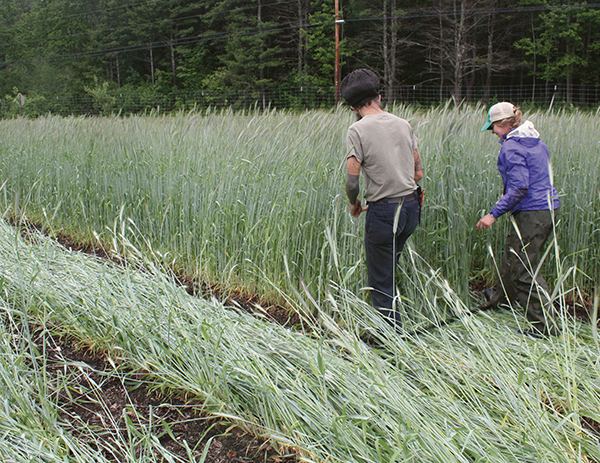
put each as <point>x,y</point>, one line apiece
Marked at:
<point>101,56</point>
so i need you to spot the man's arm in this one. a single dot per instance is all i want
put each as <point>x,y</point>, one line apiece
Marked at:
<point>418,166</point>
<point>352,187</point>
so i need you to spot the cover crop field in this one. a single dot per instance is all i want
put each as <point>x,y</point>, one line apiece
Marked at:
<point>254,203</point>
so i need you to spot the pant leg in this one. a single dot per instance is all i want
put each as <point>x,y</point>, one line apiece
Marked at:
<point>409,219</point>
<point>380,244</point>
<point>519,264</point>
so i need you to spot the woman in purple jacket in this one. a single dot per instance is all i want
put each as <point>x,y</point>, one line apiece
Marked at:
<point>531,198</point>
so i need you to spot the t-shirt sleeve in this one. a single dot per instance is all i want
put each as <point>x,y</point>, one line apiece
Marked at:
<point>353,145</point>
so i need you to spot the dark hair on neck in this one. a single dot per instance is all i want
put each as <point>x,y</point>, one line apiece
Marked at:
<point>368,101</point>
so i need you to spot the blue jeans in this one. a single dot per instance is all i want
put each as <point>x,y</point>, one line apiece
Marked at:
<point>383,249</point>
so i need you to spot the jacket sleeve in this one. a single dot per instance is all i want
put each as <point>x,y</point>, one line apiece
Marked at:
<point>516,182</point>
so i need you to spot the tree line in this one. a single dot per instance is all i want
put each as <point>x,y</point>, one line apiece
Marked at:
<point>59,48</point>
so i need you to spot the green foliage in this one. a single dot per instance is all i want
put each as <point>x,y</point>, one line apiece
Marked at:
<point>250,61</point>
<point>237,196</point>
<point>104,102</point>
<point>31,428</point>
<point>195,66</point>
<point>320,45</point>
<point>243,50</point>
<point>17,104</point>
<point>566,44</point>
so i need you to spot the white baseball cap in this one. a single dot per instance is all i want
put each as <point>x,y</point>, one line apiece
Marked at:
<point>498,112</point>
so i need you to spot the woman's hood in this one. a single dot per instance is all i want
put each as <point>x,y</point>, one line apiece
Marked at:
<point>525,130</point>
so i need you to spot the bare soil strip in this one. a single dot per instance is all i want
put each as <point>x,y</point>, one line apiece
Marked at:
<point>100,404</point>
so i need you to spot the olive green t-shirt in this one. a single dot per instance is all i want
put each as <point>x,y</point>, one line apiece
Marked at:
<point>384,144</point>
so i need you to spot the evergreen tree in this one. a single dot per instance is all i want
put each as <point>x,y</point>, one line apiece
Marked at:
<point>251,59</point>
<point>237,49</point>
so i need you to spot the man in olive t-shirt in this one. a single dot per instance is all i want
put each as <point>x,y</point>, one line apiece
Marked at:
<point>385,148</point>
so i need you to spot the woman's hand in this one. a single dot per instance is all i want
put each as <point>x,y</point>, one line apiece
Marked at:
<point>486,222</point>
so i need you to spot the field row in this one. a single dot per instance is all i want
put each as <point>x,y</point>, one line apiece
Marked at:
<point>256,200</point>
<point>469,390</point>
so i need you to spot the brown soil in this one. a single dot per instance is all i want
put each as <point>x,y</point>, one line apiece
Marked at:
<point>98,404</point>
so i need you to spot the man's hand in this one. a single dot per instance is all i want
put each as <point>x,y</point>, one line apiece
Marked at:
<point>356,209</point>
<point>486,222</point>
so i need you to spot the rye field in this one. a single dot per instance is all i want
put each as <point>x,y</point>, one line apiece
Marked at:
<point>253,204</point>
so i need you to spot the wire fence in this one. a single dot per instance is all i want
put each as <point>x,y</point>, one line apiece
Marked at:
<point>544,95</point>
<point>293,98</point>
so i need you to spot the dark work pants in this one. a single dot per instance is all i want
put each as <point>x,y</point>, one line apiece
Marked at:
<point>519,264</point>
<point>383,248</point>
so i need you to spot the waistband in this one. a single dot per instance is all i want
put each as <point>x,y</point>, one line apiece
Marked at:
<point>396,199</point>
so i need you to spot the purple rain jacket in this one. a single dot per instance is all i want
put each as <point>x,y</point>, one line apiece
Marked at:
<point>524,165</point>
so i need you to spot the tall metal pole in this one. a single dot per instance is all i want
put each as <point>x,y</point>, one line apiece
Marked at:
<point>337,52</point>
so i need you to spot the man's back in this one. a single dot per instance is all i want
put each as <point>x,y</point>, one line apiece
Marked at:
<point>384,144</point>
